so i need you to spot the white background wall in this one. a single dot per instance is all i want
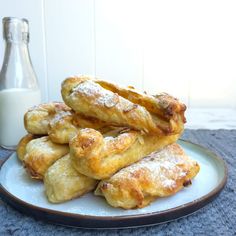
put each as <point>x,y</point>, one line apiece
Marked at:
<point>186,48</point>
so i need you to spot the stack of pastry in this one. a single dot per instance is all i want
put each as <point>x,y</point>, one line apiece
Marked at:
<point>113,140</point>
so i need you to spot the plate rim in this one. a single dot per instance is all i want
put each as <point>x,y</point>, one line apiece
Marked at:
<point>90,221</point>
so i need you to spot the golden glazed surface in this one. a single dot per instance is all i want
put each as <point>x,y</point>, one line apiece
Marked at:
<point>21,147</point>
<point>101,155</point>
<point>62,182</point>
<point>65,125</point>
<point>103,132</point>
<point>57,121</point>
<point>61,128</point>
<point>161,174</point>
<point>37,118</point>
<point>40,154</point>
<point>160,114</point>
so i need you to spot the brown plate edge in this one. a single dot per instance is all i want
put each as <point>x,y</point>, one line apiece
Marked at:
<point>109,222</point>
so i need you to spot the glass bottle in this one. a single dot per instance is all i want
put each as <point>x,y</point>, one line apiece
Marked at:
<point>19,88</point>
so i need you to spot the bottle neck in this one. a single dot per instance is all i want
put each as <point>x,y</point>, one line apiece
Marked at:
<point>16,53</point>
<point>17,70</point>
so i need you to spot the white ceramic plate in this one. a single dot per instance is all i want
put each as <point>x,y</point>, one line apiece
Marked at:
<point>93,212</point>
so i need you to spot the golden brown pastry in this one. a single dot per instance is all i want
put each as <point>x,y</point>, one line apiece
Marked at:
<point>40,154</point>
<point>21,147</point>
<point>159,115</point>
<point>65,125</point>
<point>37,118</point>
<point>100,156</point>
<point>62,182</point>
<point>61,128</point>
<point>159,175</point>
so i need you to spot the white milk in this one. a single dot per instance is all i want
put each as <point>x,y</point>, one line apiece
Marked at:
<point>13,105</point>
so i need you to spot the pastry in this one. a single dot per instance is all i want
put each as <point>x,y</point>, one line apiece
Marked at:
<point>37,118</point>
<point>40,154</point>
<point>101,155</point>
<point>61,128</point>
<point>65,125</point>
<point>103,132</point>
<point>57,121</point>
<point>161,174</point>
<point>21,147</point>
<point>62,182</point>
<point>158,115</point>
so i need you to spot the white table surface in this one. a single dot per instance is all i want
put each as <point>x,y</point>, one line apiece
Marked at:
<point>211,118</point>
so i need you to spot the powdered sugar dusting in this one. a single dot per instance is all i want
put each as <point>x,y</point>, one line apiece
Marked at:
<point>59,117</point>
<point>88,88</point>
<point>45,146</point>
<point>163,168</point>
<point>91,89</point>
<point>101,96</point>
<point>35,113</point>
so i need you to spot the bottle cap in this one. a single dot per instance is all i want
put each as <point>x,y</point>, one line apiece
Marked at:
<point>15,29</point>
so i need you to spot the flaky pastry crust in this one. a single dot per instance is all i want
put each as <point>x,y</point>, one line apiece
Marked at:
<point>57,121</point>
<point>40,154</point>
<point>65,125</point>
<point>62,182</point>
<point>37,118</point>
<point>101,155</point>
<point>160,114</point>
<point>21,147</point>
<point>161,174</point>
